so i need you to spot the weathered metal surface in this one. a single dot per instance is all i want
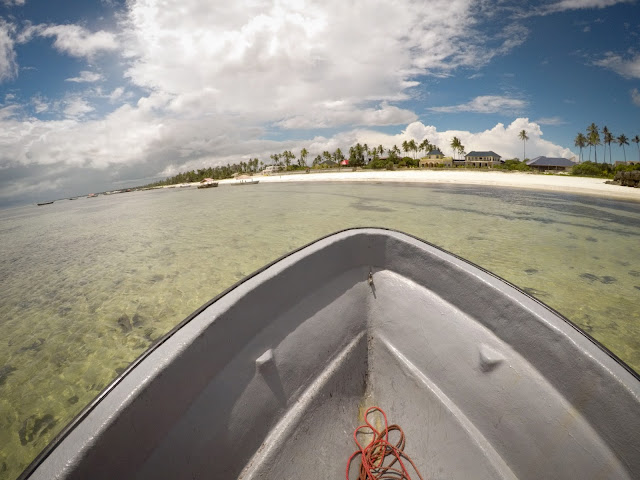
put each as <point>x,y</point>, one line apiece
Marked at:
<point>270,380</point>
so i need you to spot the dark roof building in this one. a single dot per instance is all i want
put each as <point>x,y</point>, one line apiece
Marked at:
<point>436,152</point>
<point>481,159</point>
<point>475,156</point>
<point>329,163</point>
<point>550,163</point>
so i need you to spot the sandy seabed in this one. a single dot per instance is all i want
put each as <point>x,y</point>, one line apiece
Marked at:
<point>558,183</point>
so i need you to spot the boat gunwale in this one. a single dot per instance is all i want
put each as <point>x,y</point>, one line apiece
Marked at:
<point>53,444</point>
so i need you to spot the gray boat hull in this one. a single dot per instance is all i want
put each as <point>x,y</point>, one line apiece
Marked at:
<point>269,380</point>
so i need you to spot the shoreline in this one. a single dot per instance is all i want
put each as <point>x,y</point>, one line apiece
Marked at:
<point>531,181</point>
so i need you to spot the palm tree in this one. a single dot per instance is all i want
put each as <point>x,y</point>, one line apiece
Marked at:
<point>580,142</point>
<point>622,141</point>
<point>337,156</point>
<point>405,146</point>
<point>455,145</point>
<point>523,136</point>
<point>288,156</point>
<point>424,146</point>
<point>356,155</point>
<point>608,138</point>
<point>413,147</point>
<point>303,157</point>
<point>636,140</point>
<point>593,138</point>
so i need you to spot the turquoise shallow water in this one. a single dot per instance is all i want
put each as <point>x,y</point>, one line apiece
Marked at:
<point>87,285</point>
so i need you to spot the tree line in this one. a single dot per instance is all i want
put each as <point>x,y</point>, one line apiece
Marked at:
<point>592,139</point>
<point>359,155</point>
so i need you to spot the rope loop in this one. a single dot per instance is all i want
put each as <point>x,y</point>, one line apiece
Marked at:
<point>379,456</point>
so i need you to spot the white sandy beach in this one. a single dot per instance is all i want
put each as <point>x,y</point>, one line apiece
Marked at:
<point>558,183</point>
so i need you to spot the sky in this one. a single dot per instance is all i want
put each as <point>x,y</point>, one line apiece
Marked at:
<point>98,95</point>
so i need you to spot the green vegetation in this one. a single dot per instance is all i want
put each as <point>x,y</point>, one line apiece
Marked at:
<point>580,142</point>
<point>379,163</point>
<point>622,141</point>
<point>592,139</point>
<point>602,170</point>
<point>593,169</point>
<point>357,155</point>
<point>412,146</point>
<point>608,138</point>
<point>216,173</point>
<point>457,146</point>
<point>513,164</point>
<point>362,156</point>
<point>523,136</point>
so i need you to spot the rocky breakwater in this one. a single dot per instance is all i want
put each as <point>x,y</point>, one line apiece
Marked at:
<point>627,179</point>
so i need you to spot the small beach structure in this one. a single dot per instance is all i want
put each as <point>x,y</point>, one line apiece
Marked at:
<point>481,159</point>
<point>207,183</point>
<point>245,180</point>
<point>271,169</point>
<point>551,164</point>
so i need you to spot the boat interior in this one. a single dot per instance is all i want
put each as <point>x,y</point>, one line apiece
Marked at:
<point>270,379</point>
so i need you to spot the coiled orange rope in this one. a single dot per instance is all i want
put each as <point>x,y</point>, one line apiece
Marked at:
<point>379,451</point>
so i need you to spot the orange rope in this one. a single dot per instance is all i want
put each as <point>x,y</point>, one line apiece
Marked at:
<point>379,450</point>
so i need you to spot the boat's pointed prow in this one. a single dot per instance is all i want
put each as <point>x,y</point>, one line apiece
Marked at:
<point>270,379</point>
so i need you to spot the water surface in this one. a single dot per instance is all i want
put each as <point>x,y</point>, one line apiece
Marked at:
<point>87,285</point>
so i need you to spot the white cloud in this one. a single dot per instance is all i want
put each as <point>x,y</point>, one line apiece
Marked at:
<point>8,112</point>
<point>486,104</point>
<point>116,94</point>
<point>345,114</point>
<point>564,5</point>
<point>8,64</point>
<point>77,107</point>
<point>86,77</point>
<point>502,140</point>
<point>142,140</point>
<point>73,40</point>
<point>217,76</point>
<point>11,3</point>
<point>550,121</point>
<point>635,97</point>
<point>294,60</point>
<point>30,187</point>
<point>626,67</point>
<point>39,104</point>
